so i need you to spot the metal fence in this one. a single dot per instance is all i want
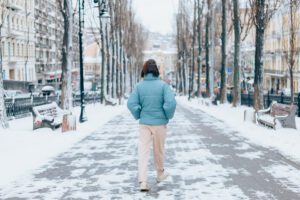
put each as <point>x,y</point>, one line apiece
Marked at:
<point>247,99</point>
<point>21,107</point>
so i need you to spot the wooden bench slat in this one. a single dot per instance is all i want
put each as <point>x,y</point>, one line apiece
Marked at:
<point>281,113</point>
<point>49,115</point>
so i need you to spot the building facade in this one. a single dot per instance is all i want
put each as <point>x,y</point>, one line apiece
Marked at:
<point>162,48</point>
<point>276,46</point>
<point>18,40</point>
<point>92,66</point>
<point>49,29</point>
<point>276,63</point>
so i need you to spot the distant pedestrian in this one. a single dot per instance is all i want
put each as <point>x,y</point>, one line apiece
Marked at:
<point>152,103</point>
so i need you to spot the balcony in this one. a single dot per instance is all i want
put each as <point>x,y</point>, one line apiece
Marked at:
<point>41,60</point>
<point>12,33</point>
<point>13,59</point>
<point>275,73</point>
<point>14,6</point>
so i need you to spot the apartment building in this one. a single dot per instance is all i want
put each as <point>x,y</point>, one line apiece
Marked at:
<point>276,43</point>
<point>18,40</point>
<point>276,48</point>
<point>92,65</point>
<point>49,28</point>
<point>162,48</point>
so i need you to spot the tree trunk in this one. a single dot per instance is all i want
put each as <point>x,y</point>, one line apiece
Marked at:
<point>199,59</point>
<point>181,85</point>
<point>130,68</point>
<point>3,118</point>
<point>121,71</point>
<point>189,63</point>
<point>108,71</point>
<point>117,67</point>
<point>292,86</point>
<point>207,48</point>
<point>293,51</point>
<point>113,66</point>
<point>224,54</point>
<point>121,63</point>
<point>67,58</point>
<point>236,62</point>
<point>124,72</point>
<point>178,64</point>
<point>103,56</point>
<point>184,77</point>
<point>193,50</point>
<point>259,46</point>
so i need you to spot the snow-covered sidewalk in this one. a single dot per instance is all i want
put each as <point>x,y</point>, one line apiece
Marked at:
<point>286,141</point>
<point>204,157</point>
<point>23,150</point>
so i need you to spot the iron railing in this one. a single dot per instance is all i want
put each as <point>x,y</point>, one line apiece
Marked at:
<point>21,107</point>
<point>247,99</point>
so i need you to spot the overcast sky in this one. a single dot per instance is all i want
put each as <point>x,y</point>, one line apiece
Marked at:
<point>156,15</point>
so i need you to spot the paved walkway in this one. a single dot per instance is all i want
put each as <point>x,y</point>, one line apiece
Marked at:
<point>205,158</point>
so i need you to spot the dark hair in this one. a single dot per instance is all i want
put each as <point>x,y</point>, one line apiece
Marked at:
<point>150,66</point>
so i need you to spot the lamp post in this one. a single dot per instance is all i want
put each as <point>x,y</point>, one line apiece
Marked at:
<point>103,14</point>
<point>82,117</point>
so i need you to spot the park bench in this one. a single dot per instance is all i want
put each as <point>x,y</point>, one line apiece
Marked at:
<point>49,115</point>
<point>277,115</point>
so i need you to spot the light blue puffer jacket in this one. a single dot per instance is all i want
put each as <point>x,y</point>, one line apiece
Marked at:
<point>152,101</point>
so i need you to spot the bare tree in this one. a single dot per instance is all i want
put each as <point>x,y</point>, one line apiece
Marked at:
<point>199,32</point>
<point>67,58</point>
<point>4,13</point>
<point>208,46</point>
<point>123,48</point>
<point>242,23</point>
<point>192,70</point>
<point>262,11</point>
<point>291,50</point>
<point>224,53</point>
<point>237,41</point>
<point>183,44</point>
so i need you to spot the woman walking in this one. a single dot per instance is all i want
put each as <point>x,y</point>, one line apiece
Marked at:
<point>152,103</point>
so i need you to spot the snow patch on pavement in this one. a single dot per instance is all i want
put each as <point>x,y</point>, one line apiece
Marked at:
<point>23,150</point>
<point>288,176</point>
<point>251,155</point>
<point>284,140</point>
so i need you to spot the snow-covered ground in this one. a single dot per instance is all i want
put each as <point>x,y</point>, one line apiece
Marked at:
<point>285,140</point>
<point>23,150</point>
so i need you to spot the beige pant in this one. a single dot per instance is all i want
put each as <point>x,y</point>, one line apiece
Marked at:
<point>157,134</point>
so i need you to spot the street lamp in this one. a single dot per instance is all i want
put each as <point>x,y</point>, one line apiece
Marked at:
<point>82,117</point>
<point>103,14</point>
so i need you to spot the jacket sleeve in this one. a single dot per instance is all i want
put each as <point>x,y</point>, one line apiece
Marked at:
<point>169,102</point>
<point>133,104</point>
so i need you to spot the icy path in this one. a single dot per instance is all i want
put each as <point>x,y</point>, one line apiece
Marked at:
<point>206,160</point>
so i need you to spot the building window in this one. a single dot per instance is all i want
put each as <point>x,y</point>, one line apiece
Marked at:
<point>3,49</point>
<point>8,49</point>
<point>18,50</point>
<point>22,75</point>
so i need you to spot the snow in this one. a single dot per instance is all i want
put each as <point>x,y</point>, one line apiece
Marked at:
<point>23,150</point>
<point>285,141</point>
<point>251,155</point>
<point>196,173</point>
<point>287,175</point>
